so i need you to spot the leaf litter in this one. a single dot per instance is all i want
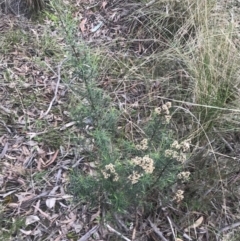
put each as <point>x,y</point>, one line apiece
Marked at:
<point>33,172</point>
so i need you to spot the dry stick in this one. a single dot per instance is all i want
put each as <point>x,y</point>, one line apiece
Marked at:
<point>6,110</point>
<point>77,163</point>
<point>157,231</point>
<point>89,233</point>
<point>120,222</point>
<point>56,89</point>
<point>150,3</point>
<point>187,237</point>
<point>135,227</point>
<point>116,232</point>
<point>169,220</point>
<point>199,105</point>
<point>223,139</point>
<point>234,225</point>
<point>173,224</point>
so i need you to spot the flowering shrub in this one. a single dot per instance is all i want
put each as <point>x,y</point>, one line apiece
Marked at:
<point>129,171</point>
<point>123,171</point>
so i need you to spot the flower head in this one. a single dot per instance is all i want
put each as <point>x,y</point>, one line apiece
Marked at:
<point>143,145</point>
<point>134,177</point>
<point>146,163</point>
<point>158,110</point>
<point>109,171</point>
<point>184,176</point>
<point>179,196</point>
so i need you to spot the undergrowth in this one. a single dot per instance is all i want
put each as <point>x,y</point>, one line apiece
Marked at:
<point>127,169</point>
<point>127,164</point>
<point>178,85</point>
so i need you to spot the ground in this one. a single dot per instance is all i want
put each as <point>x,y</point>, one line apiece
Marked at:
<point>37,128</point>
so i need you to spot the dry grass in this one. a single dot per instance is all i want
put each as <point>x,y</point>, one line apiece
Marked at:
<point>193,61</point>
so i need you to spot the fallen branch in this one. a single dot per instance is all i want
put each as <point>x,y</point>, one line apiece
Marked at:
<point>89,233</point>
<point>56,89</point>
<point>116,232</point>
<point>171,226</point>
<point>157,231</point>
<point>234,225</point>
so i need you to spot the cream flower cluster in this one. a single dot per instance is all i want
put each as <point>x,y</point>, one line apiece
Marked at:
<point>134,177</point>
<point>177,151</point>
<point>179,196</point>
<point>184,176</point>
<point>184,146</point>
<point>179,156</point>
<point>165,110</point>
<point>110,171</point>
<point>146,163</point>
<point>143,145</point>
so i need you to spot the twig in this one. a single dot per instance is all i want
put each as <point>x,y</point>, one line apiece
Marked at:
<point>173,224</point>
<point>4,150</point>
<point>223,139</point>
<point>150,3</point>
<point>199,105</point>
<point>121,223</point>
<point>116,232</point>
<point>89,233</point>
<point>170,222</point>
<point>157,231</point>
<point>187,237</point>
<point>135,227</point>
<point>6,110</point>
<point>77,163</point>
<point>56,89</point>
<point>234,225</point>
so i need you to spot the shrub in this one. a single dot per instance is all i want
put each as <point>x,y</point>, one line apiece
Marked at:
<point>130,156</point>
<point>127,167</point>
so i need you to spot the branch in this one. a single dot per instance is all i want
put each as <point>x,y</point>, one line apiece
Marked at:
<point>116,232</point>
<point>89,233</point>
<point>157,231</point>
<point>56,89</point>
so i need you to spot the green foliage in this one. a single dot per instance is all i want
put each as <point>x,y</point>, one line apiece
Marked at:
<point>39,177</point>
<point>10,227</point>
<point>121,170</point>
<point>12,38</point>
<point>118,182</point>
<point>51,138</point>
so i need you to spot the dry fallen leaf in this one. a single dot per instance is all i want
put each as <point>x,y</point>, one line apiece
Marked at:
<point>77,227</point>
<point>82,25</point>
<point>104,3</point>
<point>31,219</point>
<point>4,151</point>
<point>49,162</point>
<point>44,214</point>
<point>25,231</point>
<point>195,225</point>
<point>12,205</point>
<point>1,180</point>
<point>98,26</point>
<point>50,202</point>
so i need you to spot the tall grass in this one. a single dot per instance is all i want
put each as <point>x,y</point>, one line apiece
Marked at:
<point>190,57</point>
